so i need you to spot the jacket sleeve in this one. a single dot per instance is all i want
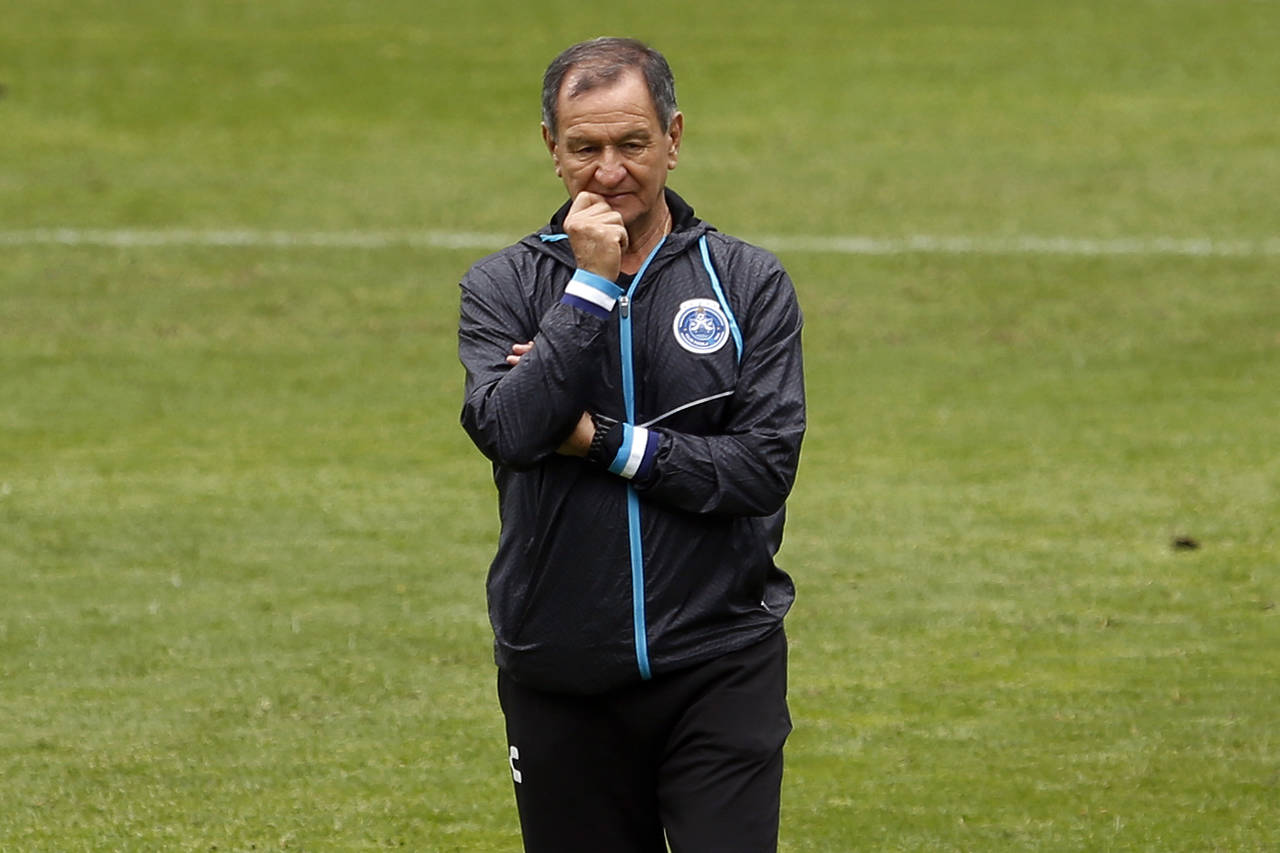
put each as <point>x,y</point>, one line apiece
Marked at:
<point>519,415</point>
<point>748,468</point>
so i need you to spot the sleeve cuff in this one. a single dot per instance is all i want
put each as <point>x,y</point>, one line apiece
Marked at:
<point>623,449</point>
<point>592,293</point>
<point>634,458</point>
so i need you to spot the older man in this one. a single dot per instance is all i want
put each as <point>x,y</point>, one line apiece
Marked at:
<point>635,377</point>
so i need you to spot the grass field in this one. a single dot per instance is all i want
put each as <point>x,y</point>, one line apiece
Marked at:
<point>243,539</point>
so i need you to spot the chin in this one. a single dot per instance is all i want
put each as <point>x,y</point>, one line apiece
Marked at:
<point>632,212</point>
<point>630,217</point>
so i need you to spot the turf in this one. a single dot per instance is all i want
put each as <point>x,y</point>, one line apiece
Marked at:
<point>243,540</point>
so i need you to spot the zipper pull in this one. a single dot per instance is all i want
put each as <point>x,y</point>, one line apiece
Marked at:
<point>624,306</point>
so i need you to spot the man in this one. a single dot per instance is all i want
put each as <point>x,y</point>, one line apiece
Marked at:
<point>635,376</point>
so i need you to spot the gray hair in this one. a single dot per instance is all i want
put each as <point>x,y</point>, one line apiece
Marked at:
<point>601,61</point>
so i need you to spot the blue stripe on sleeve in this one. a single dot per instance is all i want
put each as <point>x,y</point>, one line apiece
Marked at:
<point>591,292</point>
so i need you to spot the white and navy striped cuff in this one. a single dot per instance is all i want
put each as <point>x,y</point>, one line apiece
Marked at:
<point>635,456</point>
<point>592,293</point>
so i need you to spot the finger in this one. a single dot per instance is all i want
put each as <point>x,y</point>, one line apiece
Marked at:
<point>518,351</point>
<point>585,200</point>
<point>589,207</point>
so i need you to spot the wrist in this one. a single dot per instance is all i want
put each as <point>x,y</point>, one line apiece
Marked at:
<point>621,448</point>
<point>605,440</point>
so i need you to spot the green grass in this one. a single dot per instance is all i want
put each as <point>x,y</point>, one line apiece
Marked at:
<point>1027,663</point>
<point>243,540</point>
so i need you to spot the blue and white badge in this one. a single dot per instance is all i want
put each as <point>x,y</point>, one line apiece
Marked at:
<point>701,326</point>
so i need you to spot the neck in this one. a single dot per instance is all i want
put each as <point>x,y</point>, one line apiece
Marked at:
<point>643,236</point>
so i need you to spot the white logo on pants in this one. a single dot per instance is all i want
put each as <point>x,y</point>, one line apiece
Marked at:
<point>511,760</point>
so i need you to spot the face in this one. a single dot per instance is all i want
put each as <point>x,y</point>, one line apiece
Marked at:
<point>611,142</point>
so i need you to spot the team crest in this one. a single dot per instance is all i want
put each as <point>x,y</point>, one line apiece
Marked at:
<point>701,326</point>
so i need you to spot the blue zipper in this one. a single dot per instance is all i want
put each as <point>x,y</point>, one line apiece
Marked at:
<point>633,500</point>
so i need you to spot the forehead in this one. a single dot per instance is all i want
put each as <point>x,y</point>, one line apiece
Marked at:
<point>621,105</point>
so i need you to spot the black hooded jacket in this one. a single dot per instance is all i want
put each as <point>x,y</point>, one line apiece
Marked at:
<point>656,552</point>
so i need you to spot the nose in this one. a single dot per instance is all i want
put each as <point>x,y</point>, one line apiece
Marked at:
<point>610,170</point>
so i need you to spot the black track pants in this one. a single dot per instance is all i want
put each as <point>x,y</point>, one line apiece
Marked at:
<point>693,755</point>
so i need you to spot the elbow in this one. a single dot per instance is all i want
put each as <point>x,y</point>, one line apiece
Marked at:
<point>500,446</point>
<point>519,457</point>
<point>773,494</point>
<point>507,447</point>
<point>777,476</point>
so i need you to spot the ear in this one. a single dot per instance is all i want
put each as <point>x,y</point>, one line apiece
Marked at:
<point>550,142</point>
<point>675,134</point>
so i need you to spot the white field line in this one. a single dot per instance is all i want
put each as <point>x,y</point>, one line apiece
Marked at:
<point>1026,245</point>
<point>132,237</point>
<point>479,241</point>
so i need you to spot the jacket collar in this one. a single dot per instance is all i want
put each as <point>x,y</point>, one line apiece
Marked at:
<point>686,228</point>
